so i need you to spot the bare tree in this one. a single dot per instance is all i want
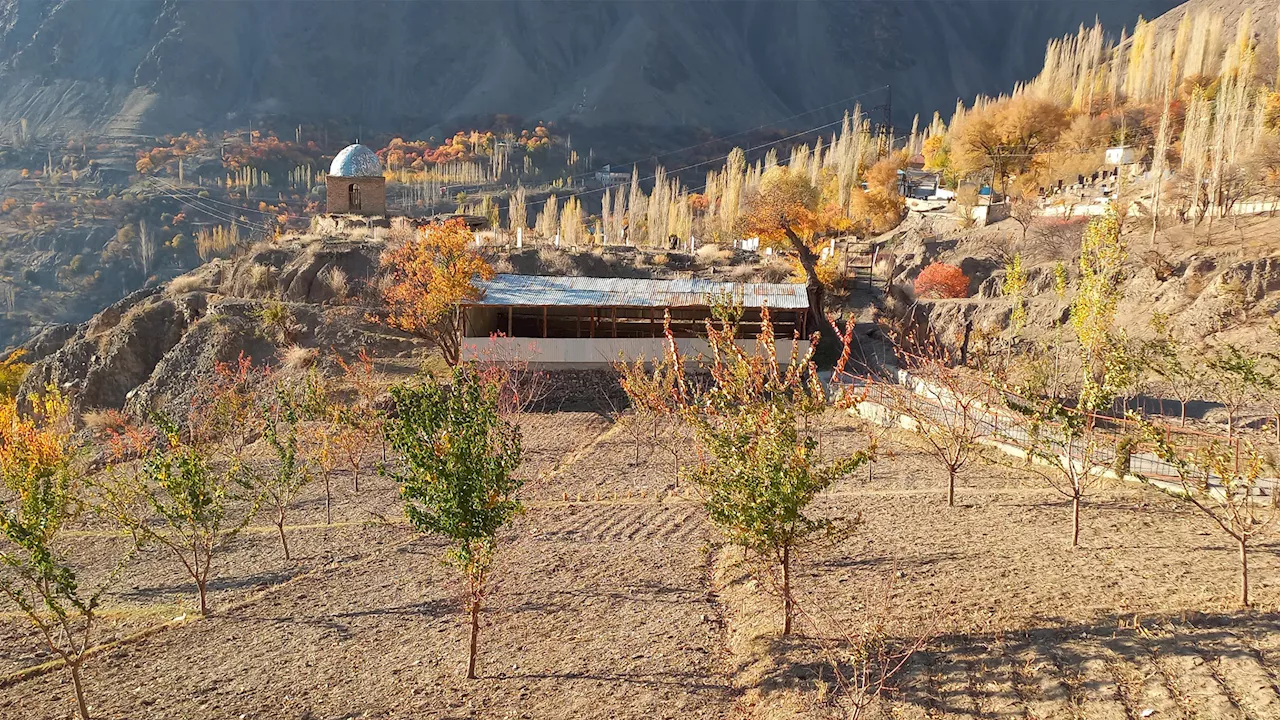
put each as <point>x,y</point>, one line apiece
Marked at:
<point>1230,492</point>
<point>947,408</point>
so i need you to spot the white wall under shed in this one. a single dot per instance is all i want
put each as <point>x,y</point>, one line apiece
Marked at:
<point>598,352</point>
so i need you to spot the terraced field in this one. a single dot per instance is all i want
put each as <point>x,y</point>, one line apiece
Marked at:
<point>613,598</point>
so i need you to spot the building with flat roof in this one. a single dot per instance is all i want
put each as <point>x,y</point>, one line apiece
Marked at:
<point>583,321</point>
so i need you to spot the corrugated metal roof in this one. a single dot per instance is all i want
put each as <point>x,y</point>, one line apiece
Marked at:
<point>508,290</point>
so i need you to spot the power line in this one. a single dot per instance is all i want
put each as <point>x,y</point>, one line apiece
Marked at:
<point>676,171</point>
<point>190,193</point>
<point>842,101</point>
<point>212,211</point>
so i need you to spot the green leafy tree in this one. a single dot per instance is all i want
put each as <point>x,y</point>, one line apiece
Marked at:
<point>761,468</point>
<point>459,456</point>
<point>1068,448</point>
<point>41,494</point>
<point>280,482</point>
<point>180,488</point>
<point>1179,365</point>
<point>1237,379</point>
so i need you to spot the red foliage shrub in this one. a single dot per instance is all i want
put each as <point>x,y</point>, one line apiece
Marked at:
<point>940,280</point>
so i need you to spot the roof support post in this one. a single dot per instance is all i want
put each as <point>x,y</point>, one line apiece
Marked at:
<point>511,313</point>
<point>544,321</point>
<point>615,322</point>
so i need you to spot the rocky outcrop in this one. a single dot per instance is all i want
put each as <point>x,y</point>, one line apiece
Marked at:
<point>303,275</point>
<point>48,341</point>
<point>150,350</point>
<point>115,351</point>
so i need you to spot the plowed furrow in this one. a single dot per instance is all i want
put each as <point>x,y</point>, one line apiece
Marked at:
<point>1049,695</point>
<point>1199,689</point>
<point>993,686</point>
<point>1149,690</point>
<point>1096,686</point>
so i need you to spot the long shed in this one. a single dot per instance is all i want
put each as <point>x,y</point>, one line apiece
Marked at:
<point>592,321</point>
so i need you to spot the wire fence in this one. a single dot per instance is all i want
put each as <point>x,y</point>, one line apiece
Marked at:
<point>1113,443</point>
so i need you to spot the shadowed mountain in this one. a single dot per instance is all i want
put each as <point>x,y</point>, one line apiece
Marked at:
<point>156,66</point>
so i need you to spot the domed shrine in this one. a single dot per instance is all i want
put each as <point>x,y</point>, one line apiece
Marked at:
<point>355,184</point>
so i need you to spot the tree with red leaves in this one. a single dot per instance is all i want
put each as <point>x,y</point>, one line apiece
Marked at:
<point>940,280</point>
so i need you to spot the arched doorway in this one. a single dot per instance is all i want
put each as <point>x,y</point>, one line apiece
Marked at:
<point>353,197</point>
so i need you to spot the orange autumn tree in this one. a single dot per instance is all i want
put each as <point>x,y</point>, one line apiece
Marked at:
<point>787,213</point>
<point>940,280</point>
<point>429,277</point>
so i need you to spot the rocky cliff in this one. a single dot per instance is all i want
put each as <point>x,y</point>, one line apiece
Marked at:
<point>160,66</point>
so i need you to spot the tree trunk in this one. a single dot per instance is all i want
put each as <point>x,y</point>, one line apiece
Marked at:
<point>204,598</point>
<point>1244,574</point>
<point>1075,521</point>
<point>786,590</point>
<point>355,477</point>
<point>1183,405</point>
<point>328,502</point>
<point>475,635</point>
<point>951,487</point>
<point>78,683</point>
<point>283,541</point>
<point>816,291</point>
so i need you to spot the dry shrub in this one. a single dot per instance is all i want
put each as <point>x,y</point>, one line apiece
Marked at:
<point>377,289</point>
<point>940,280</point>
<point>1056,238</point>
<point>262,277</point>
<point>775,270</point>
<point>660,260</point>
<point>713,255</point>
<point>556,262</point>
<point>184,284</point>
<point>1159,264</point>
<point>296,358</point>
<point>100,420</point>
<point>401,232</point>
<point>336,280</point>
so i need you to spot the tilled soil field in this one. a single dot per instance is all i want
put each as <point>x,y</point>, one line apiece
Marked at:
<point>614,598</point>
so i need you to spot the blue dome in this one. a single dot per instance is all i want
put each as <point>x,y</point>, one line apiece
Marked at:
<point>356,161</point>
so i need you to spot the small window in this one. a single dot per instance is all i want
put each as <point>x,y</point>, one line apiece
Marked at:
<point>353,197</point>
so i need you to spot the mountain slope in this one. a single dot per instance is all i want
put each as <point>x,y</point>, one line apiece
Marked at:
<point>162,65</point>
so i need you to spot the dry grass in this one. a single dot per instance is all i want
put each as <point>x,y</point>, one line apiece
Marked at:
<point>296,358</point>
<point>709,255</point>
<point>775,271</point>
<point>337,281</point>
<point>262,277</point>
<point>184,284</point>
<point>402,231</point>
<point>99,420</point>
<point>557,262</point>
